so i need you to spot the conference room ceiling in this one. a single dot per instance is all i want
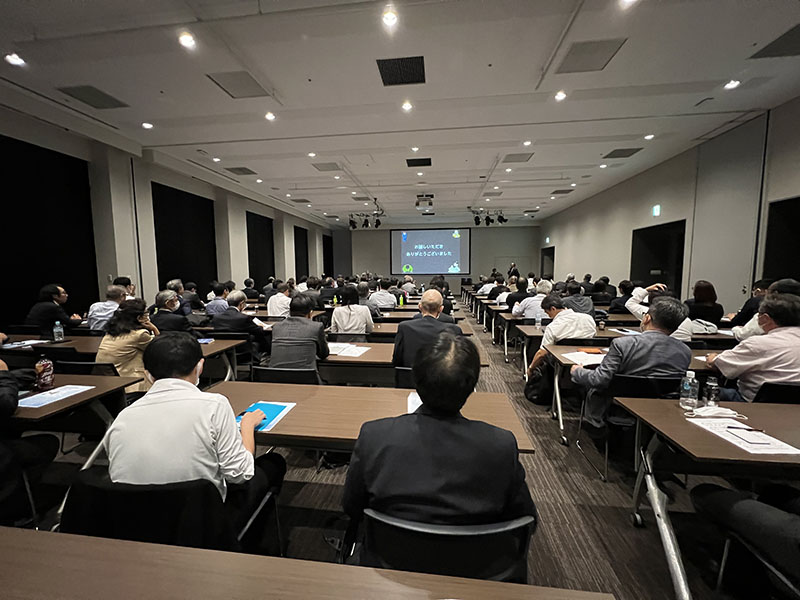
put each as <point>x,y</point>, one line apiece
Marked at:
<point>492,69</point>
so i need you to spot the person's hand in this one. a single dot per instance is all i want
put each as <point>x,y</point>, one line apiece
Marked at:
<point>3,338</point>
<point>730,316</point>
<point>574,368</point>
<point>77,316</point>
<point>3,366</point>
<point>710,358</point>
<point>250,420</point>
<point>657,287</point>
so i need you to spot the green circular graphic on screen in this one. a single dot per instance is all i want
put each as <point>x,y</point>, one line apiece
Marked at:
<point>408,268</point>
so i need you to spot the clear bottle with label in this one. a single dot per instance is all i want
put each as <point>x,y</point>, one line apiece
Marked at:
<point>689,390</point>
<point>712,392</point>
<point>538,321</point>
<point>58,332</point>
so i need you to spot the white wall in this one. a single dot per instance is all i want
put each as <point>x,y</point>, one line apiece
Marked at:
<point>783,153</point>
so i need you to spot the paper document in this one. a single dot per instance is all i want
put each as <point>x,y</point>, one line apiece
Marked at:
<point>205,340</point>
<point>582,358</point>
<point>24,343</point>
<point>353,351</point>
<point>740,434</point>
<point>54,395</point>
<point>703,358</point>
<point>414,402</point>
<point>725,332</point>
<point>273,413</point>
<point>337,347</point>
<point>625,331</point>
<point>261,324</point>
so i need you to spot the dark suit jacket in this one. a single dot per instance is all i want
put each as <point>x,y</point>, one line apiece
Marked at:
<point>316,296</point>
<point>45,314</point>
<point>617,305</point>
<point>194,300</point>
<point>251,293</point>
<point>707,312</point>
<point>326,295</point>
<point>297,342</point>
<point>612,290</point>
<point>234,321</point>
<point>166,320</point>
<point>513,272</point>
<point>448,306</point>
<point>496,291</point>
<point>437,468</point>
<point>515,297</point>
<point>443,317</point>
<point>747,311</point>
<point>416,333</point>
<point>186,306</point>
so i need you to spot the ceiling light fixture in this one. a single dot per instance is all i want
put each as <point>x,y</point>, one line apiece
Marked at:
<point>573,185</point>
<point>732,84</point>
<point>488,199</point>
<point>337,218</point>
<point>537,208</point>
<point>623,4</point>
<point>414,149</point>
<point>147,125</point>
<point>489,220</point>
<point>552,197</point>
<point>560,95</point>
<point>508,170</point>
<point>14,59</point>
<point>420,173</point>
<point>407,106</point>
<point>187,40</point>
<point>288,195</point>
<point>526,143</point>
<point>366,203</point>
<point>649,136</point>
<point>259,181</point>
<point>352,223</point>
<point>308,205</point>
<point>215,159</point>
<point>353,193</point>
<point>377,223</point>
<point>389,17</point>
<point>270,116</point>
<point>604,166</point>
<point>497,187</point>
<point>365,224</point>
<point>312,154</point>
<point>336,177</point>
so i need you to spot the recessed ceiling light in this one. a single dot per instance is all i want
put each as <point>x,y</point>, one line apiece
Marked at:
<point>366,203</point>
<point>497,187</point>
<point>15,59</point>
<point>324,213</point>
<point>627,3</point>
<point>215,159</point>
<point>573,185</point>
<point>526,143</point>
<point>308,205</point>
<point>407,106</point>
<point>560,95</point>
<point>147,125</point>
<point>259,181</point>
<point>488,199</point>
<point>732,84</point>
<point>337,218</point>
<point>187,40</point>
<point>288,195</point>
<point>649,136</point>
<point>270,116</point>
<point>552,197</point>
<point>480,208</point>
<point>537,208</point>
<point>336,177</point>
<point>603,166</point>
<point>312,154</point>
<point>353,193</point>
<point>414,149</point>
<point>508,170</point>
<point>389,17</point>
<point>420,173</point>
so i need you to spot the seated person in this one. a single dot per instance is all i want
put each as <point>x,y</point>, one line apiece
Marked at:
<point>312,291</point>
<point>297,341</point>
<point>577,301</point>
<point>271,289</point>
<point>519,295</point>
<point>190,295</point>
<point>101,312</point>
<point>636,306</point>
<point>566,324</point>
<point>30,454</point>
<point>49,309</point>
<point>512,285</point>
<point>417,333</point>
<point>396,291</point>
<point>587,285</point>
<point>499,288</point>
<point>531,307</point>
<point>383,299</point>
<point>328,291</point>
<point>233,320</point>
<point>770,358</point>
<point>128,333</point>
<point>532,281</point>
<point>351,317</point>
<point>177,433</point>
<point>439,284</point>
<point>278,304</point>
<point>750,307</point>
<point>166,316</point>
<point>176,285</point>
<point>610,289</point>
<point>363,299</point>
<point>487,286</point>
<point>130,288</point>
<point>654,353</point>
<point>249,289</point>
<point>434,465</point>
<point>600,294</point>
<point>408,285</point>
<point>703,304</point>
<point>751,328</point>
<point>220,302</point>
<point>617,305</point>
<point>302,284</point>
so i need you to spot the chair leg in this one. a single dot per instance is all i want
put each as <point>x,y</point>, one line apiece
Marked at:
<point>603,474</point>
<point>722,563</point>
<point>31,502</point>
<point>255,514</point>
<point>278,529</point>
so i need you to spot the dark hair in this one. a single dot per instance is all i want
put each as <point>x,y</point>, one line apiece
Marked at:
<point>249,282</point>
<point>123,281</point>
<point>604,278</point>
<point>784,309</point>
<point>394,281</point>
<point>587,277</point>
<point>445,372</point>
<point>327,282</point>
<point>385,284</point>
<point>531,275</point>
<point>301,305</point>
<point>499,279</point>
<point>785,286</point>
<point>303,279</point>
<point>48,291</point>
<point>573,287</point>
<point>762,284</point>
<point>522,284</point>
<point>349,295</point>
<point>126,317</point>
<point>704,292</point>
<point>667,313</point>
<point>625,287</point>
<point>172,354</point>
<point>282,287</point>
<point>599,287</point>
<point>230,285</point>
<point>218,289</point>
<point>363,289</point>
<point>552,301</point>
<point>190,285</point>
<point>313,283</point>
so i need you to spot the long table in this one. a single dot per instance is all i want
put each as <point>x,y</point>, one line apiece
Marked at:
<point>330,417</point>
<point>386,329</point>
<point>40,564</point>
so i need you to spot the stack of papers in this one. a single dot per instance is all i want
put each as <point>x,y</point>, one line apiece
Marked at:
<point>54,395</point>
<point>741,435</point>
<point>625,331</point>
<point>342,349</point>
<point>583,358</point>
<point>23,344</point>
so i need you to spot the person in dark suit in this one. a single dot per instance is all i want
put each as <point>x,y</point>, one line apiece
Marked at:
<point>617,305</point>
<point>49,309</point>
<point>703,303</point>
<point>513,271</point>
<point>434,465</point>
<point>520,294</point>
<point>297,341</point>
<point>176,285</point>
<point>190,294</point>
<point>499,288</point>
<point>750,307</point>
<point>235,321</point>
<point>612,290</point>
<point>418,333</point>
<point>600,294</point>
<point>249,289</point>
<point>166,316</point>
<point>312,291</point>
<point>327,292</point>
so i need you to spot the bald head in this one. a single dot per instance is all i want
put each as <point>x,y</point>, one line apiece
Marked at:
<point>431,303</point>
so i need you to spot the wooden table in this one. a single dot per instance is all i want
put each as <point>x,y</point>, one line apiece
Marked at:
<point>330,417</point>
<point>710,455</point>
<point>382,328</point>
<point>398,316</point>
<point>40,564</point>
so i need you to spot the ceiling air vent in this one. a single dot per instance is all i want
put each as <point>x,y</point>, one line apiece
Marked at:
<point>362,199</point>
<point>583,57</point>
<point>786,45</point>
<point>429,214</point>
<point>418,162</point>
<point>402,71</point>
<point>560,192</point>
<point>326,167</point>
<point>518,158</point>
<point>622,153</point>
<point>240,170</point>
<point>300,200</point>
<point>238,84</point>
<point>92,96</point>
<point>492,194</point>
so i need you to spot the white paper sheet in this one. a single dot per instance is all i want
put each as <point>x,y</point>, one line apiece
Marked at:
<point>725,332</point>
<point>625,331</point>
<point>23,344</point>
<point>337,347</point>
<point>261,324</point>
<point>584,358</point>
<point>414,402</point>
<point>54,395</point>
<point>735,432</point>
<point>353,351</point>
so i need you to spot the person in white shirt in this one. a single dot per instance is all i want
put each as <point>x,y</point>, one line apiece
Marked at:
<point>220,302</point>
<point>130,288</point>
<point>382,299</point>
<point>637,309</point>
<point>751,328</point>
<point>278,304</point>
<point>770,358</point>
<point>487,287</point>
<point>408,285</point>
<point>177,433</point>
<point>566,324</point>
<point>531,308</point>
<point>303,285</point>
<point>352,318</point>
<point>101,312</point>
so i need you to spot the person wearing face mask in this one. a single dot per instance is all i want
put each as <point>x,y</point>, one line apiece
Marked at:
<point>167,317</point>
<point>177,433</point>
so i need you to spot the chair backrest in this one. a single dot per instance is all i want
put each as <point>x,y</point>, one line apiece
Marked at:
<point>592,341</point>
<point>636,386</point>
<point>697,344</point>
<point>293,354</point>
<point>275,375</point>
<point>62,353</point>
<point>227,335</point>
<point>497,551</point>
<point>778,393</point>
<point>189,513</point>
<point>404,378</point>
<point>347,337</point>
<point>68,367</point>
<point>32,330</point>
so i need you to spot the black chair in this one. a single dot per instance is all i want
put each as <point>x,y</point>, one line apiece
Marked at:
<point>85,368</point>
<point>778,393</point>
<point>274,375</point>
<point>404,378</point>
<point>628,386</point>
<point>62,353</point>
<point>697,345</point>
<point>592,341</point>
<point>496,551</point>
<point>31,330</point>
<point>788,587</point>
<point>244,354</point>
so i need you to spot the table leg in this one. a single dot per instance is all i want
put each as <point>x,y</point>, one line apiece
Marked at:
<point>556,408</point>
<point>505,339</point>
<point>525,358</point>
<point>229,374</point>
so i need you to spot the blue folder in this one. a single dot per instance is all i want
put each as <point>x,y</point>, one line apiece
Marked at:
<point>271,412</point>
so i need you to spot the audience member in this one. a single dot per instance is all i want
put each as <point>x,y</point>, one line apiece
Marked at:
<point>272,290</point>
<point>599,293</point>
<point>587,285</point>
<point>101,312</point>
<point>561,286</point>
<point>166,316</point>
<point>577,301</point>
<point>49,309</point>
<point>530,307</point>
<point>312,291</point>
<point>211,295</point>
<point>328,292</point>
<point>351,318</point>
<point>750,307</point>
<point>363,299</point>
<point>302,284</point>
<point>220,302</point>
<point>565,324</point>
<point>511,285</point>
<point>770,358</point>
<point>654,353</point>
<point>191,295</point>
<point>434,465</point>
<point>499,288</point>
<point>519,295</point>
<point>396,291</point>
<point>487,286</point>
<point>230,285</point>
<point>128,333</point>
<point>233,320</point>
<point>382,299</point>
<point>637,308</point>
<point>130,288</point>
<point>141,443</point>
<point>409,286</point>
<point>297,341</point>
<point>703,305</point>
<point>532,281</point>
<point>417,333</point>
<point>617,305</point>
<point>250,289</point>
<point>610,289</point>
<point>278,305</point>
<point>268,286</point>
<point>176,285</point>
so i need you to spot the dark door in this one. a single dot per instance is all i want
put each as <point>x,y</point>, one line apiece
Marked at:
<point>300,253</point>
<point>548,262</point>
<point>260,248</point>
<point>783,243</point>
<point>657,255</point>
<point>327,255</point>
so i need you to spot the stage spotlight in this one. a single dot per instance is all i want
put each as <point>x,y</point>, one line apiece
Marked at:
<point>501,219</point>
<point>353,224</point>
<point>377,223</point>
<point>365,224</point>
<point>489,220</point>
<point>477,220</point>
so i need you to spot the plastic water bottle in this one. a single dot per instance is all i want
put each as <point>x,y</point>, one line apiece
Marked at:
<point>58,332</point>
<point>402,296</point>
<point>539,321</point>
<point>689,388</point>
<point>712,392</point>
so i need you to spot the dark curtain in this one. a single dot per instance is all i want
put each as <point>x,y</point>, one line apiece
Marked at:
<point>260,248</point>
<point>300,252</point>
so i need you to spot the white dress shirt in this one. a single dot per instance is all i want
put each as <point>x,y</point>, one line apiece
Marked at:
<point>568,324</point>
<point>486,289</point>
<point>634,306</point>
<point>177,433</point>
<point>302,287</point>
<point>278,305</point>
<point>100,313</point>
<point>216,306</point>
<point>382,300</point>
<point>530,308</point>
<point>501,298</point>
<point>748,330</point>
<point>353,318</point>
